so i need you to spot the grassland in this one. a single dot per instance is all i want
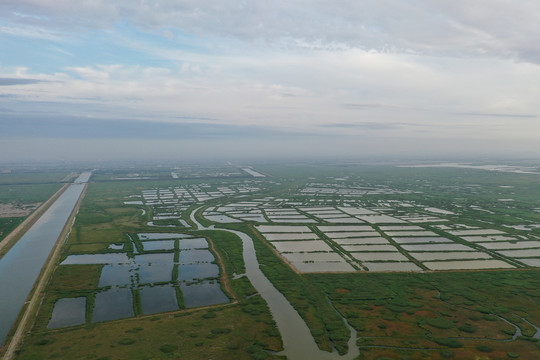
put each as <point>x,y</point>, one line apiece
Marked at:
<point>228,332</point>
<point>25,190</point>
<point>400,315</point>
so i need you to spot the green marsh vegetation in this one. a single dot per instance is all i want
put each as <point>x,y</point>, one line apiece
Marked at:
<point>218,333</point>
<point>43,176</point>
<point>312,304</point>
<point>457,310</point>
<point>397,315</point>
<point>24,191</point>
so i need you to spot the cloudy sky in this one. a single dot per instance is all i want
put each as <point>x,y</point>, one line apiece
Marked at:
<point>184,79</point>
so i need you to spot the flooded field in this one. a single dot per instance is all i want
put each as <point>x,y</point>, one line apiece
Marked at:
<point>535,262</point>
<point>475,232</point>
<point>323,267</point>
<point>357,211</point>
<point>68,312</point>
<point>361,241</point>
<point>366,245</point>
<point>414,240</point>
<point>116,275</point>
<point>436,247</point>
<point>203,294</point>
<point>401,228</point>
<point>158,245</point>
<point>291,236</point>
<point>345,234</point>
<point>431,256</point>
<point>224,219</point>
<point>411,233</point>
<point>96,259</point>
<point>113,304</point>
<point>315,257</point>
<point>195,243</point>
<point>158,299</point>
<point>282,229</point>
<point>392,266</point>
<point>520,253</point>
<point>359,248</point>
<point>380,219</point>
<point>301,246</point>
<point>161,236</point>
<point>510,245</point>
<point>194,256</point>
<point>468,265</point>
<point>349,220</point>
<point>336,228</point>
<point>171,264</point>
<point>488,238</point>
<point>379,256</point>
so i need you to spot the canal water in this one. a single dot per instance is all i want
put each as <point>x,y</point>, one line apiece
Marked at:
<point>298,343</point>
<point>21,266</point>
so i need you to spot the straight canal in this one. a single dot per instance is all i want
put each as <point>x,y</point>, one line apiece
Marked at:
<point>21,266</point>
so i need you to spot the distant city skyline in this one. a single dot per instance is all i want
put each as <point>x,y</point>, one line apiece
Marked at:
<point>95,80</point>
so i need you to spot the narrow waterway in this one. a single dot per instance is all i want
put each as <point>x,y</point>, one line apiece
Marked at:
<point>298,343</point>
<point>21,266</point>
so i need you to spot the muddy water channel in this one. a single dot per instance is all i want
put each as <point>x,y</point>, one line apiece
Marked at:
<point>20,267</point>
<point>298,342</point>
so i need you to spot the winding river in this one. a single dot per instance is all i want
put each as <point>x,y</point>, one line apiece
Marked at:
<point>298,343</point>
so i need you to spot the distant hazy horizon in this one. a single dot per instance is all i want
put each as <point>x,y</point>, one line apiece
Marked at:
<point>186,80</point>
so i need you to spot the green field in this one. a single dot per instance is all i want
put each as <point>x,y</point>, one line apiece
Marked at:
<point>25,190</point>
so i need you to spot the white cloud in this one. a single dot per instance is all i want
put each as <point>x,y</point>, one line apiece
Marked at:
<point>297,92</point>
<point>377,69</point>
<point>484,27</point>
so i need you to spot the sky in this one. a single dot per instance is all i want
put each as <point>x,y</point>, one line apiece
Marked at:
<point>180,79</point>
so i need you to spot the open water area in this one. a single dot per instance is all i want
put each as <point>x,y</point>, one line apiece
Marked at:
<point>22,264</point>
<point>155,275</point>
<point>298,343</point>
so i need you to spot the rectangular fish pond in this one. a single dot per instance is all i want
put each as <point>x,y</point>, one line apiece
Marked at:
<point>172,272</point>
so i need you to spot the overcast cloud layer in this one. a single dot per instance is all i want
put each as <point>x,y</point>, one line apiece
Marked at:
<point>351,78</point>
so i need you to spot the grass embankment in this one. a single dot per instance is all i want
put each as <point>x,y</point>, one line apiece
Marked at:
<point>218,333</point>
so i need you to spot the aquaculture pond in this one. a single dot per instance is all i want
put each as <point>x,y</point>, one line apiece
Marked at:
<point>158,299</point>
<point>113,304</point>
<point>68,312</point>
<point>172,271</point>
<point>203,294</point>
